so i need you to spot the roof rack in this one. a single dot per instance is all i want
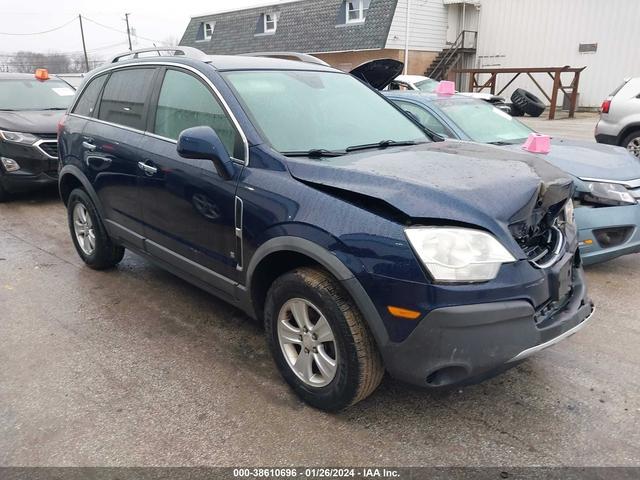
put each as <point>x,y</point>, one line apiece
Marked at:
<point>189,52</point>
<point>302,57</point>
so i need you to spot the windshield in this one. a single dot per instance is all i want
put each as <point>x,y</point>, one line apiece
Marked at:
<point>483,123</point>
<point>299,111</point>
<point>34,94</point>
<point>427,85</point>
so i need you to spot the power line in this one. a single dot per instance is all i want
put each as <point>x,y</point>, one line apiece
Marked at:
<point>40,33</point>
<point>118,30</point>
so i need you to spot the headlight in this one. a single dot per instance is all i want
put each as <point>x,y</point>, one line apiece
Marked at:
<point>453,254</point>
<point>17,137</point>
<point>607,194</point>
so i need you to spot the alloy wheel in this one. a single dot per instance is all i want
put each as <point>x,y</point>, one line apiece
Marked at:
<point>83,229</point>
<point>634,146</point>
<point>307,342</point>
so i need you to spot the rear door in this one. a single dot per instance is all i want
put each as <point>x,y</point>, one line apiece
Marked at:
<point>112,149</point>
<point>189,210</point>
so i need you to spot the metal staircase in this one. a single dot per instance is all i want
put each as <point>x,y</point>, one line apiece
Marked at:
<point>450,57</point>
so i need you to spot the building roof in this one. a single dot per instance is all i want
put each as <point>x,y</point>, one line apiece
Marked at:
<point>311,26</point>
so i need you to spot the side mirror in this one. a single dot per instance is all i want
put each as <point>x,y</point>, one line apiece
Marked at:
<point>203,143</point>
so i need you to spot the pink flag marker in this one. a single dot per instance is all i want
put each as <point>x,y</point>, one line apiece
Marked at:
<point>537,143</point>
<point>445,87</point>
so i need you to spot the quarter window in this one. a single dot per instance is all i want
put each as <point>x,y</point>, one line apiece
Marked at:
<point>186,102</point>
<point>87,102</point>
<point>125,97</point>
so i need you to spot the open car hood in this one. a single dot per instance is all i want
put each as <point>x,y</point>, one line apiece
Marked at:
<point>378,73</point>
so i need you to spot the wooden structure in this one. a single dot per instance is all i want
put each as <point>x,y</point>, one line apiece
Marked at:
<point>554,72</point>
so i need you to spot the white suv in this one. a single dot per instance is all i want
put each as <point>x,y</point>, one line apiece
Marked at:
<point>619,122</point>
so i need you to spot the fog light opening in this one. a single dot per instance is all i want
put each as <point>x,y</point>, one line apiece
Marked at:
<point>9,164</point>
<point>612,237</point>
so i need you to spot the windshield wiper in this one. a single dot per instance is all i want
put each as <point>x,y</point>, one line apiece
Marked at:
<point>315,153</point>
<point>55,108</point>
<point>381,144</point>
<point>7,110</point>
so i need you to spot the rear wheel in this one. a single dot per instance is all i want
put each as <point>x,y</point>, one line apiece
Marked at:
<point>89,236</point>
<point>320,341</point>
<point>632,143</point>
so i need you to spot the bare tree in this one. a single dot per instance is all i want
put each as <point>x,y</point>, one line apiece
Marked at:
<point>26,61</point>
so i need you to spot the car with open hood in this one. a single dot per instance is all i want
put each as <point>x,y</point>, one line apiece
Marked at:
<point>30,108</point>
<point>305,198</point>
<point>607,178</point>
<point>394,80</point>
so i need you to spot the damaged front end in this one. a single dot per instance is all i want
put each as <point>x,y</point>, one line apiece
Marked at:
<point>544,228</point>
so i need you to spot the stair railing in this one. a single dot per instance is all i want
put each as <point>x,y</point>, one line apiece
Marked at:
<point>453,51</point>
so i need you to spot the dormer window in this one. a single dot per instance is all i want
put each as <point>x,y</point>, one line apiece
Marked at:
<point>270,22</point>
<point>205,31</point>
<point>356,10</point>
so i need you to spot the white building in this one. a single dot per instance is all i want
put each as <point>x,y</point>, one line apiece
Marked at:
<point>602,35</point>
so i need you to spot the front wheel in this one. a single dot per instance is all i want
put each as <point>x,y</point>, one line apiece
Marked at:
<point>89,236</point>
<point>320,341</point>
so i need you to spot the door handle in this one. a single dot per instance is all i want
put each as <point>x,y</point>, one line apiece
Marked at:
<point>147,169</point>
<point>89,146</point>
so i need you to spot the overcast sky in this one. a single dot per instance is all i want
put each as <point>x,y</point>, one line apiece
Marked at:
<point>159,21</point>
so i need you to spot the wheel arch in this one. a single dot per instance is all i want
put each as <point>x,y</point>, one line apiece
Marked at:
<point>282,254</point>
<point>71,177</point>
<point>632,127</point>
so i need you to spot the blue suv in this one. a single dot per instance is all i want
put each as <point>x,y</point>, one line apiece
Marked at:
<point>302,196</point>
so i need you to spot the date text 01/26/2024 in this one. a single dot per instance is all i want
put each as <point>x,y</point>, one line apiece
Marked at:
<point>315,473</point>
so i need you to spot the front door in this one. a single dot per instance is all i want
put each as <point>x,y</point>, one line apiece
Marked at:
<point>189,210</point>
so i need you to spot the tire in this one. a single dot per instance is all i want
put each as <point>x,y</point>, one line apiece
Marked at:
<point>528,102</point>
<point>91,240</point>
<point>4,196</point>
<point>358,366</point>
<point>632,143</point>
<point>515,110</point>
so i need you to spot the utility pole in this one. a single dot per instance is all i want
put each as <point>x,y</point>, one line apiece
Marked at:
<point>126,19</point>
<point>406,38</point>
<point>84,46</point>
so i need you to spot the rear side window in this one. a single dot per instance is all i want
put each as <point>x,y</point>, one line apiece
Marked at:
<point>87,102</point>
<point>125,97</point>
<point>426,118</point>
<point>615,92</point>
<point>186,102</point>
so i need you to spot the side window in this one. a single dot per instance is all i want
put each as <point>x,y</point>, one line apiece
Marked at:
<point>87,102</point>
<point>425,118</point>
<point>124,100</point>
<point>186,102</point>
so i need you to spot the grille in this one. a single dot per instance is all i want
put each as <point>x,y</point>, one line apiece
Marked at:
<point>50,148</point>
<point>543,242</point>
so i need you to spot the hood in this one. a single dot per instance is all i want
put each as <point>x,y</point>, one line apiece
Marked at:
<point>27,121</point>
<point>584,159</point>
<point>448,181</point>
<point>378,73</point>
<point>487,97</point>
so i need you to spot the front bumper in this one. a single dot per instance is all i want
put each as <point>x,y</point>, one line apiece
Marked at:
<point>592,220</point>
<point>463,344</point>
<point>37,168</point>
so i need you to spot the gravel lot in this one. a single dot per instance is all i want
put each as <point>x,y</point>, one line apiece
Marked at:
<point>136,367</point>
